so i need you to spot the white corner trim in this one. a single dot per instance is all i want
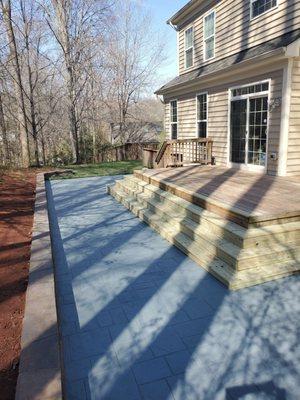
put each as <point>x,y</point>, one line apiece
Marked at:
<point>178,53</point>
<point>285,119</point>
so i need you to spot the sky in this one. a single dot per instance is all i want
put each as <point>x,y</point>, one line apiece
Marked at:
<point>161,11</point>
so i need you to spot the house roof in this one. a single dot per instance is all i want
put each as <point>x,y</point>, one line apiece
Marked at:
<point>253,52</point>
<point>183,11</point>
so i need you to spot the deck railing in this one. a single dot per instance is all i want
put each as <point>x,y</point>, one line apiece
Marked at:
<point>175,153</point>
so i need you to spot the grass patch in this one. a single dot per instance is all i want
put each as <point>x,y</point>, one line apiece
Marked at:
<point>103,169</point>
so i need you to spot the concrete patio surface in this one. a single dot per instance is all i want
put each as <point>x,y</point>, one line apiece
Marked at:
<point>140,320</point>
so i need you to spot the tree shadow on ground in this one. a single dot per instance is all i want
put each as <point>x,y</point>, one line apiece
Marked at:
<point>161,326</point>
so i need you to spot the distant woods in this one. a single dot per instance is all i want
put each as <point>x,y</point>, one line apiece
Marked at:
<point>74,74</point>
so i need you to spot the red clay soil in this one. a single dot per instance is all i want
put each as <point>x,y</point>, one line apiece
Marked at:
<point>17,194</point>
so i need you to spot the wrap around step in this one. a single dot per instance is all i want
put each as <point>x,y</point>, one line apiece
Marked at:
<point>236,255</point>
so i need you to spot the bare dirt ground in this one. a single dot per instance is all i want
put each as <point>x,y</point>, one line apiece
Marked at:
<point>17,194</point>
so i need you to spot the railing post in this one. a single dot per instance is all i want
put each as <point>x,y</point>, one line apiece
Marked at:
<point>209,152</point>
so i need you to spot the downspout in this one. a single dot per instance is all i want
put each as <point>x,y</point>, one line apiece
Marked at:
<point>285,117</point>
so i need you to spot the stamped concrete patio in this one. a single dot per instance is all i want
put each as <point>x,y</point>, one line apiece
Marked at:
<point>140,320</point>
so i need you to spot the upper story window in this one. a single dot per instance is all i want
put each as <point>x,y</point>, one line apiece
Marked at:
<point>259,7</point>
<point>189,47</point>
<point>209,35</point>
<point>173,119</point>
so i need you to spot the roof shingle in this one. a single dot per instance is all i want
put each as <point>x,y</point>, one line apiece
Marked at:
<point>234,59</point>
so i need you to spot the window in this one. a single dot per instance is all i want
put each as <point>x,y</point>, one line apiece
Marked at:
<point>173,119</point>
<point>202,115</point>
<point>209,35</point>
<point>259,7</point>
<point>189,47</point>
<point>251,89</point>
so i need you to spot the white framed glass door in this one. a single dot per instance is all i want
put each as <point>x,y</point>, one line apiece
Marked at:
<point>257,131</point>
<point>249,126</point>
<point>238,132</point>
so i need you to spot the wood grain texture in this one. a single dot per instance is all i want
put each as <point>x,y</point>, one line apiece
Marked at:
<point>237,256</point>
<point>242,197</point>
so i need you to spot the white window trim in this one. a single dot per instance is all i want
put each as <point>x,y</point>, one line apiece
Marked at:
<point>247,167</point>
<point>170,115</point>
<point>244,96</point>
<point>214,35</point>
<point>201,120</point>
<point>189,48</point>
<point>265,12</point>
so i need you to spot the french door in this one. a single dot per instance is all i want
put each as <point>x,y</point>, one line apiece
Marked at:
<point>248,130</point>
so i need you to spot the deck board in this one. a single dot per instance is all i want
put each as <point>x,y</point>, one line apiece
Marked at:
<point>256,195</point>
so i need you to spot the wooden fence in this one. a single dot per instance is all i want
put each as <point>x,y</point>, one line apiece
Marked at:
<point>126,152</point>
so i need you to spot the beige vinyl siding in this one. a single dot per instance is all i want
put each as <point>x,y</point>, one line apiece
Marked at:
<point>274,121</point>
<point>293,156</point>
<point>218,113</point>
<point>218,122</point>
<point>235,31</point>
<point>187,117</point>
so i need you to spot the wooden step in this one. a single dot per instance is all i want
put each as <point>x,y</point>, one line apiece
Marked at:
<point>217,267</point>
<point>239,236</point>
<point>237,258</point>
<point>181,241</point>
<point>214,223</point>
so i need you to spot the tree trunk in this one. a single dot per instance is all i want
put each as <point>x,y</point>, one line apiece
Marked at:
<point>31,90</point>
<point>43,148</point>
<point>74,130</point>
<point>94,146</point>
<point>23,126</point>
<point>3,131</point>
<point>33,113</point>
<point>63,37</point>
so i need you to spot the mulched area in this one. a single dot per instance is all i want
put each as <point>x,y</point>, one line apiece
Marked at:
<point>17,195</point>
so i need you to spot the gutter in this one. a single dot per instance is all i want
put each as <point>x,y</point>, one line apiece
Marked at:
<point>172,26</point>
<point>180,13</point>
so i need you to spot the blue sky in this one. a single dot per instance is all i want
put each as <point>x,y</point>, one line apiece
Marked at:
<point>161,11</point>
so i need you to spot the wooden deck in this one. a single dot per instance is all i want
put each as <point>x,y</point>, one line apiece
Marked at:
<point>243,197</point>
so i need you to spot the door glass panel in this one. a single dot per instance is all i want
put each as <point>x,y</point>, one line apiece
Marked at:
<point>258,119</point>
<point>238,130</point>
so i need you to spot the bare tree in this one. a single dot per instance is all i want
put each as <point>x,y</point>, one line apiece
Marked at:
<point>31,53</point>
<point>75,26</point>
<point>3,132</point>
<point>69,70</point>
<point>17,77</point>
<point>134,53</point>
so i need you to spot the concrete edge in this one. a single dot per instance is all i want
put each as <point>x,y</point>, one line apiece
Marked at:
<point>40,369</point>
